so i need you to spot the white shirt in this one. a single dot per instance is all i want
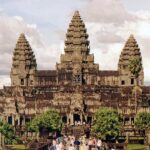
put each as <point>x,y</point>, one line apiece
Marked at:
<point>58,147</point>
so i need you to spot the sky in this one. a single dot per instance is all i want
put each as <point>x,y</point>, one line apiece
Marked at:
<point>109,23</point>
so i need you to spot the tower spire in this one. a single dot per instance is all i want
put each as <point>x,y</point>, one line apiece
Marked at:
<point>130,51</point>
<point>24,63</point>
<point>77,60</point>
<point>76,37</point>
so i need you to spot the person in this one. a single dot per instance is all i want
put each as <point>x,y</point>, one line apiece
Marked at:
<point>99,144</point>
<point>71,147</point>
<point>77,143</point>
<point>81,146</point>
<point>54,142</point>
<point>58,146</point>
<point>52,147</point>
<point>112,148</point>
<point>63,146</point>
<point>90,143</point>
<point>86,147</point>
<point>72,141</point>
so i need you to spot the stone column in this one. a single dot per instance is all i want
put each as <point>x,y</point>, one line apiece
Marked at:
<point>67,119</point>
<point>71,119</point>
<point>18,118</point>
<point>0,141</point>
<point>24,121</point>
<point>13,120</point>
<point>148,139</point>
<point>85,118</point>
<point>3,141</point>
<point>81,118</point>
<point>130,120</point>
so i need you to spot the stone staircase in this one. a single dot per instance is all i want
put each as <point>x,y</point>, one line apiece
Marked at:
<point>77,131</point>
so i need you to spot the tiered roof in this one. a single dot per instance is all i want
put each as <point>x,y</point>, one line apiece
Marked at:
<point>77,46</point>
<point>130,51</point>
<point>23,54</point>
<point>76,37</point>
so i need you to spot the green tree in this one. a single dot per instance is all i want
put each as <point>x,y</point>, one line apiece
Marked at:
<point>8,132</point>
<point>135,67</point>
<point>49,119</point>
<point>142,120</point>
<point>107,123</point>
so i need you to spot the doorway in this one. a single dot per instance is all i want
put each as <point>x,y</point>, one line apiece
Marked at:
<point>76,117</point>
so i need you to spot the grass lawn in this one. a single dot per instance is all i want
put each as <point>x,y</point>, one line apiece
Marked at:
<point>134,146</point>
<point>19,147</point>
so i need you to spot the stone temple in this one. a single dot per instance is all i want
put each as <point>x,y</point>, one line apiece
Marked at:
<point>77,87</point>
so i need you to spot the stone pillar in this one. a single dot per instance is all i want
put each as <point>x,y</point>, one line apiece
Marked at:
<point>0,141</point>
<point>71,119</point>
<point>68,119</point>
<point>81,118</point>
<point>24,121</point>
<point>7,119</point>
<point>18,118</point>
<point>148,140</point>
<point>130,121</point>
<point>13,120</point>
<point>85,118</point>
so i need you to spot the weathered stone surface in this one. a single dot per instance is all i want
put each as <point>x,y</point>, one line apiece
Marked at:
<point>77,88</point>
<point>23,69</point>
<point>130,51</point>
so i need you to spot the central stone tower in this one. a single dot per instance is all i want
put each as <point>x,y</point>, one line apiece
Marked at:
<point>77,60</point>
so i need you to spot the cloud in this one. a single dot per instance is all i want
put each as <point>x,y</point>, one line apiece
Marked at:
<point>107,11</point>
<point>10,27</point>
<point>107,40</point>
<point>108,24</point>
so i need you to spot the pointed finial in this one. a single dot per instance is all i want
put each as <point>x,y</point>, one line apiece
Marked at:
<point>131,39</point>
<point>131,36</point>
<point>22,35</point>
<point>76,13</point>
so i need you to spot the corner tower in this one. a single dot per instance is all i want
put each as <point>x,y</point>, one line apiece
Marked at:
<point>24,65</point>
<point>77,58</point>
<point>129,52</point>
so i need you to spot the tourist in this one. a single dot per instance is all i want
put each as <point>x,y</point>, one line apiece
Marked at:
<point>54,142</point>
<point>81,146</point>
<point>86,147</point>
<point>71,147</point>
<point>63,146</point>
<point>112,148</point>
<point>72,141</point>
<point>90,143</point>
<point>52,147</point>
<point>77,144</point>
<point>99,144</point>
<point>58,146</point>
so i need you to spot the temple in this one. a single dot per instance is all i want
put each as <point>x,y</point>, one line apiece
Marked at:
<point>77,87</point>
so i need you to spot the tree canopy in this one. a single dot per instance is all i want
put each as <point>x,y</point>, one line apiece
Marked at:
<point>49,119</point>
<point>107,123</point>
<point>135,66</point>
<point>8,132</point>
<point>142,120</point>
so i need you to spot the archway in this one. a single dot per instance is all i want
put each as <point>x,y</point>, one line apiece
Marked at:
<point>76,117</point>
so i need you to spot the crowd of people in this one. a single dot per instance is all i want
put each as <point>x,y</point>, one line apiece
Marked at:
<point>71,143</point>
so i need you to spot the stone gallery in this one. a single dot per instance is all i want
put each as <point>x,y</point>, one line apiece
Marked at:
<point>77,87</point>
